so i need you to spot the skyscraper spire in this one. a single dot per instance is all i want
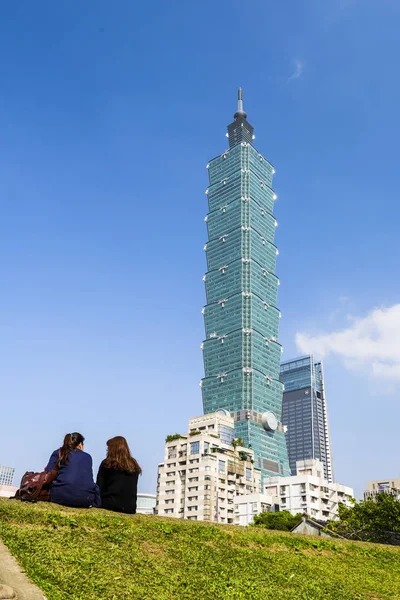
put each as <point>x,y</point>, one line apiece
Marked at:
<point>240,112</point>
<point>240,129</point>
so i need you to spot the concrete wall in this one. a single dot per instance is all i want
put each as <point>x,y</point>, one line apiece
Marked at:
<point>6,491</point>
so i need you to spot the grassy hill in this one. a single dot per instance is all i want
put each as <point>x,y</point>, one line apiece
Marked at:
<point>95,554</point>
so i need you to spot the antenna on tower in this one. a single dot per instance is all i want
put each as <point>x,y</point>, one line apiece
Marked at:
<point>240,100</point>
<point>240,112</point>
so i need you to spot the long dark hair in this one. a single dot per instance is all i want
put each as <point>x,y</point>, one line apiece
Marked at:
<point>71,441</point>
<point>119,456</point>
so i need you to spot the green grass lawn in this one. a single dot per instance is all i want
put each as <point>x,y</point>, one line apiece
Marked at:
<point>94,554</point>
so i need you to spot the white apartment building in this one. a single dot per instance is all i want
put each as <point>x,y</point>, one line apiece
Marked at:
<point>204,470</point>
<point>308,492</point>
<point>386,486</point>
<point>246,507</point>
<point>6,475</point>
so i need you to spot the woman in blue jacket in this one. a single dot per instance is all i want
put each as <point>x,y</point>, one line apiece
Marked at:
<point>74,485</point>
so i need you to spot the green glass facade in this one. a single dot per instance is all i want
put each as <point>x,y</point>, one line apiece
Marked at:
<point>241,352</point>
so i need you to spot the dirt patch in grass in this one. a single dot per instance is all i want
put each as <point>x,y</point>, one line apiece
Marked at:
<point>317,552</point>
<point>152,549</point>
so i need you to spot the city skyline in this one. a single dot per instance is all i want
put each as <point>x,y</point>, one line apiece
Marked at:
<point>108,118</point>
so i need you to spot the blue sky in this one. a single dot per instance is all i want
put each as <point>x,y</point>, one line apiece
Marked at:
<point>108,116</point>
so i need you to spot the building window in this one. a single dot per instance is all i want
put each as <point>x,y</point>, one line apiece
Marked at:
<point>248,474</point>
<point>195,448</point>
<point>221,466</point>
<point>226,434</point>
<point>206,447</point>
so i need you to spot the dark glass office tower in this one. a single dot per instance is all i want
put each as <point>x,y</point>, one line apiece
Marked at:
<point>305,413</point>
<point>241,349</point>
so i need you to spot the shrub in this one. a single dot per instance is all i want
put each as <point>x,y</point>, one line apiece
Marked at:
<point>281,521</point>
<point>173,436</point>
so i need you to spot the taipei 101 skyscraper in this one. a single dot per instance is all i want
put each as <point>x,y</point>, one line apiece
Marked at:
<point>241,350</point>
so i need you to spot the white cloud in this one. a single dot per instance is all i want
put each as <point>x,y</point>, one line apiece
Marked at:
<point>299,68</point>
<point>371,343</point>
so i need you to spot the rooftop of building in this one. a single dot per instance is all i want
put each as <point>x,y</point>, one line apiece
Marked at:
<point>145,495</point>
<point>310,470</point>
<point>300,361</point>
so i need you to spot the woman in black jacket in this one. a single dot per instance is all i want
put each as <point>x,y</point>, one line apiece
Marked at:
<point>118,476</point>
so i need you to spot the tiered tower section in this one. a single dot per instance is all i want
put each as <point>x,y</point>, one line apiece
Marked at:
<point>241,350</point>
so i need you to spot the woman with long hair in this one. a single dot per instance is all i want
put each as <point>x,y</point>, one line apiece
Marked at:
<point>118,477</point>
<point>74,485</point>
